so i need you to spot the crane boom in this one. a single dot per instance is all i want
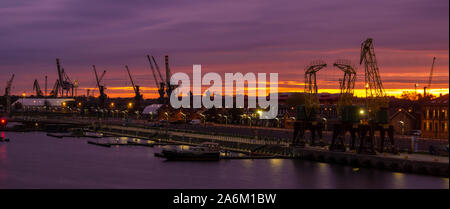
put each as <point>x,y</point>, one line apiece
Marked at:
<point>8,85</point>
<point>60,76</point>
<point>96,76</point>
<point>431,73</point>
<point>153,71</point>
<point>157,69</point>
<point>37,88</point>
<point>7,93</point>
<point>101,76</point>
<point>131,78</point>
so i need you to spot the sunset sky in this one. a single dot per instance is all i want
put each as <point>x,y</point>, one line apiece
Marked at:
<point>224,36</point>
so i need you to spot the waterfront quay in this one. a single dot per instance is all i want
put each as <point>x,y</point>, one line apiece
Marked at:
<point>235,139</point>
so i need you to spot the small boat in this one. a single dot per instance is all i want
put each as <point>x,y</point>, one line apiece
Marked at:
<point>204,151</point>
<point>92,134</point>
<point>4,140</point>
<point>58,135</point>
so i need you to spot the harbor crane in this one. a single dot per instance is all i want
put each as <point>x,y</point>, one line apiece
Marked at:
<point>347,112</point>
<point>377,103</point>
<point>311,89</point>
<point>307,114</point>
<point>169,87</point>
<point>8,94</point>
<point>138,96</point>
<point>101,88</point>
<point>347,84</point>
<point>65,84</point>
<point>429,78</point>
<point>55,89</point>
<point>37,89</point>
<point>159,84</point>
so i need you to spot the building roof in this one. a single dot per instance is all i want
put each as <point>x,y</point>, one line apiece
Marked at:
<point>152,109</point>
<point>403,111</point>
<point>36,102</point>
<point>442,100</point>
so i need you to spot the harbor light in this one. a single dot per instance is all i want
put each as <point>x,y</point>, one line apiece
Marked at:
<point>112,105</point>
<point>64,104</point>
<point>361,112</point>
<point>130,105</point>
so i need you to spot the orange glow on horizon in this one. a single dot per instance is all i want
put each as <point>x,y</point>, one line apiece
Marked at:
<point>151,93</point>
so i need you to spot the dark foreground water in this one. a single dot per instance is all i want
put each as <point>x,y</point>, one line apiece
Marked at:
<point>34,160</point>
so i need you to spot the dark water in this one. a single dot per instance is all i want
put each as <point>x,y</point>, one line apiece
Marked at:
<point>34,160</point>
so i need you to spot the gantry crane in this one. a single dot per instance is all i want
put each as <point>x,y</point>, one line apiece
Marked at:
<point>347,112</point>
<point>159,84</point>
<point>101,88</point>
<point>307,114</point>
<point>429,79</point>
<point>377,103</point>
<point>65,84</point>
<point>138,96</point>
<point>37,89</point>
<point>8,93</point>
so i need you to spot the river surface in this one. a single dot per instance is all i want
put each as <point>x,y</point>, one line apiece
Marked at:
<point>35,160</point>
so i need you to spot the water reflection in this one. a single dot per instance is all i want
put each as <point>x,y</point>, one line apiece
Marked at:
<point>276,164</point>
<point>34,160</point>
